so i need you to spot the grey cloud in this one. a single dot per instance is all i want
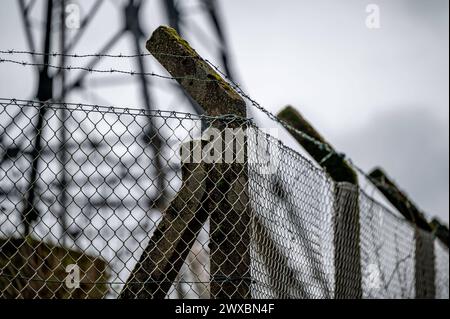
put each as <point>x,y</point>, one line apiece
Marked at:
<point>412,145</point>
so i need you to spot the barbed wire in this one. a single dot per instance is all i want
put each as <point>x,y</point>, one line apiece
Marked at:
<point>322,146</point>
<point>111,71</point>
<point>72,55</point>
<point>233,83</point>
<point>93,55</point>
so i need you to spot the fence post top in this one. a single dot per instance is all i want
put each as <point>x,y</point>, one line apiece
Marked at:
<point>289,109</point>
<point>400,200</point>
<point>336,166</point>
<point>378,172</point>
<point>194,74</point>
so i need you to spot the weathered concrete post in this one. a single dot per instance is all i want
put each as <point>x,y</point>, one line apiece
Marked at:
<point>424,239</point>
<point>172,240</point>
<point>227,201</point>
<point>347,259</point>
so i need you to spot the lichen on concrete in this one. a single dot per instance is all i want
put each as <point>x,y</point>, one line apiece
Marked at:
<point>194,74</point>
<point>217,98</point>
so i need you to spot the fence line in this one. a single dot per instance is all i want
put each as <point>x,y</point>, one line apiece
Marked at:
<point>310,206</point>
<point>264,228</point>
<point>93,70</point>
<point>236,86</point>
<point>323,146</point>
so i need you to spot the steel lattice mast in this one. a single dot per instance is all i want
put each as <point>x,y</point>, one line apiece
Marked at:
<point>48,82</point>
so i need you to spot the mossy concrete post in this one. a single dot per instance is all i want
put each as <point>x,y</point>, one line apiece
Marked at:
<point>347,259</point>
<point>424,239</point>
<point>172,240</point>
<point>227,201</point>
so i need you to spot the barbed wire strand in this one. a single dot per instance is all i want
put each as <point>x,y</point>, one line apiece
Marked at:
<point>91,55</point>
<point>94,70</point>
<point>322,146</point>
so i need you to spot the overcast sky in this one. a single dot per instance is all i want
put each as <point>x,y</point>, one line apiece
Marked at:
<point>379,95</point>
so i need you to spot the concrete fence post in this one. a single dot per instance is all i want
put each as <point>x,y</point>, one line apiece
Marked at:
<point>347,256</point>
<point>172,240</point>
<point>226,199</point>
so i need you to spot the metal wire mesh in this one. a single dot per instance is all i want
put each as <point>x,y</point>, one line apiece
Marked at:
<point>115,200</point>
<point>292,247</point>
<point>387,246</point>
<point>442,271</point>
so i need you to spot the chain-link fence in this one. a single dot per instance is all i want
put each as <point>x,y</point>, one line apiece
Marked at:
<point>105,202</point>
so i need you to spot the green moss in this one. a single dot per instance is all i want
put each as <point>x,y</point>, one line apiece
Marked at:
<point>289,113</point>
<point>174,35</point>
<point>211,73</point>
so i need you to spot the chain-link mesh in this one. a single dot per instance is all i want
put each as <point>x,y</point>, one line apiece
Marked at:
<point>292,200</point>
<point>442,271</point>
<point>109,196</point>
<point>387,246</point>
